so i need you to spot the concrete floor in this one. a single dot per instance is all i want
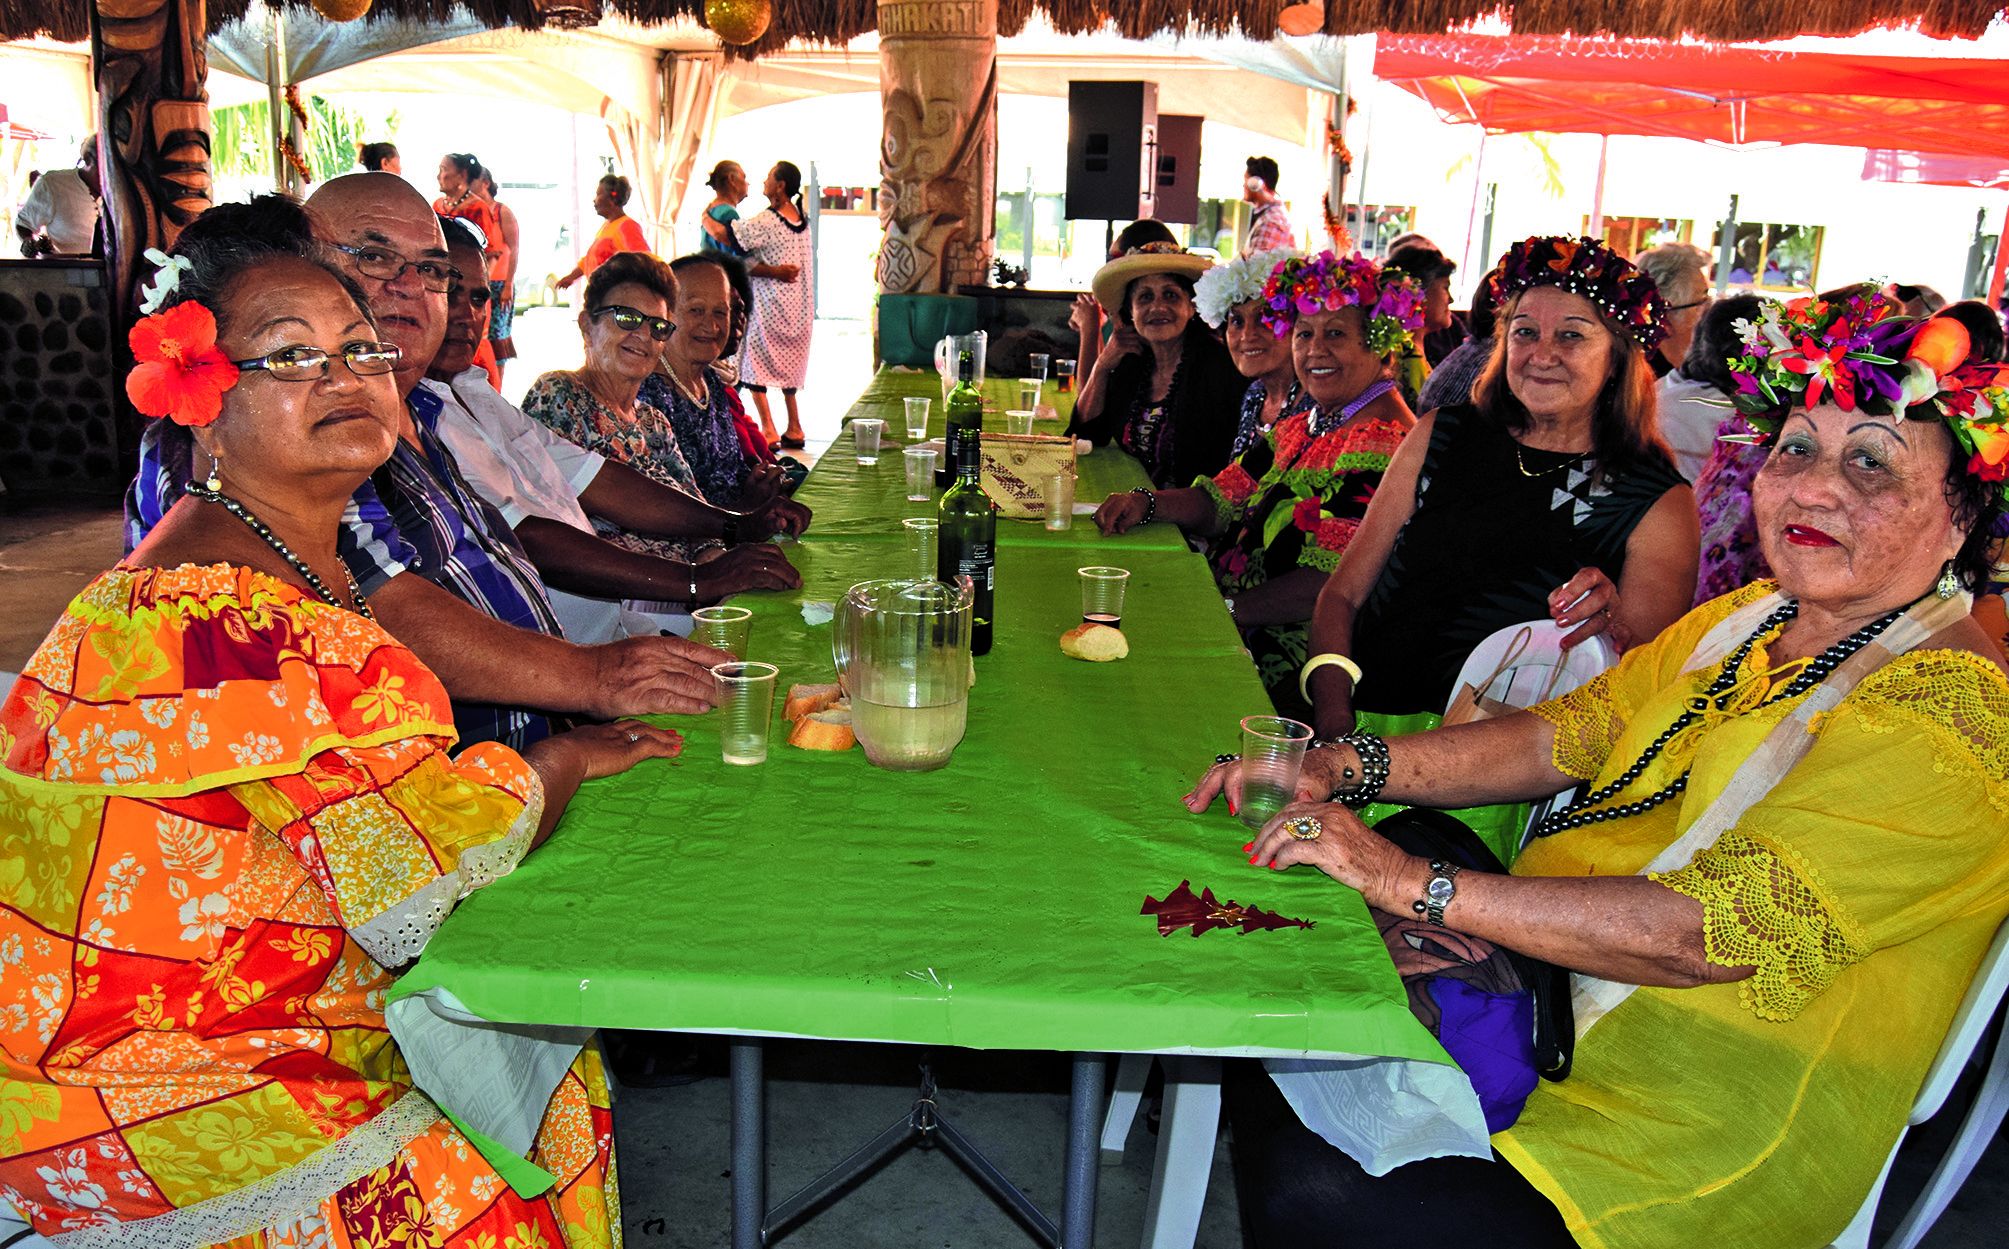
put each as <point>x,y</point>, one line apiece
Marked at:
<point>824,1099</point>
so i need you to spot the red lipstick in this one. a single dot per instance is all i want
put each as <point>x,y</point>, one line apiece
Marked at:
<point>1807,535</point>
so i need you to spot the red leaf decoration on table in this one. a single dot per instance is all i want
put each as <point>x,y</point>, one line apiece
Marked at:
<point>180,373</point>
<point>1181,908</point>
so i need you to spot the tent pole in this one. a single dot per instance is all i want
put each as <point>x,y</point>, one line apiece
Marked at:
<point>1597,193</point>
<point>1368,232</point>
<point>1025,251</point>
<point>1472,214</point>
<point>1970,279</point>
<point>2001,264</point>
<point>275,104</point>
<point>813,213</point>
<point>1726,250</point>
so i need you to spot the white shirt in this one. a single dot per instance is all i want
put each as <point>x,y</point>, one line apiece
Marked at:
<point>60,205</point>
<point>1690,413</point>
<point>525,470</point>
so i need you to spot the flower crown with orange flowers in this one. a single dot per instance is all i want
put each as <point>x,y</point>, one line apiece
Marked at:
<point>179,371</point>
<point>1859,353</point>
<point>1391,300</point>
<point>1586,267</point>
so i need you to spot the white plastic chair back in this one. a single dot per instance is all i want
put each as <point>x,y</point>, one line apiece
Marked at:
<point>1527,664</point>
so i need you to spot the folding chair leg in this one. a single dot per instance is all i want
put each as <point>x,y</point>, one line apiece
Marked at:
<point>1991,1102</point>
<point>1132,1070</point>
<point>1186,1131</point>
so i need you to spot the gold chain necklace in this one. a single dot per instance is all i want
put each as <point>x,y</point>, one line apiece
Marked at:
<point>1543,472</point>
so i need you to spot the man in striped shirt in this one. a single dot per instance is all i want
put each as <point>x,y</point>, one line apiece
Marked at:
<point>1270,226</point>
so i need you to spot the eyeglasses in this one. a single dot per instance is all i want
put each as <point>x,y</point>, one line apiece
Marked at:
<point>310,364</point>
<point>386,265</point>
<point>630,319</point>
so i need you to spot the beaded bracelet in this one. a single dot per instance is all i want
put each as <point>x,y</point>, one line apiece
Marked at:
<point>1150,503</point>
<point>1373,752</point>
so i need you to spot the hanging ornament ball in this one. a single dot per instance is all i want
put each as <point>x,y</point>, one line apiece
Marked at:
<point>341,10</point>
<point>738,21</point>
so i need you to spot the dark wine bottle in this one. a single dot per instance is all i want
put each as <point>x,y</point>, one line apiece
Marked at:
<point>964,413</point>
<point>966,545</point>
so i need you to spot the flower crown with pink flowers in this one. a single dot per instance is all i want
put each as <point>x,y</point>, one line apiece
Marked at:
<point>1859,353</point>
<point>1586,267</point>
<point>1304,285</point>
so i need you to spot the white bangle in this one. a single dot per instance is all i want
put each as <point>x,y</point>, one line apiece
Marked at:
<point>1316,662</point>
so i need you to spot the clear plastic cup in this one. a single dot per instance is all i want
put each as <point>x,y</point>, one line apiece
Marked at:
<point>921,535</point>
<point>1037,364</point>
<point>722,628</point>
<point>920,463</point>
<point>746,704</point>
<point>1018,421</point>
<point>1028,393</point>
<point>917,417</point>
<point>1057,492</point>
<point>865,433</point>
<point>1272,754</point>
<point>1102,593</point>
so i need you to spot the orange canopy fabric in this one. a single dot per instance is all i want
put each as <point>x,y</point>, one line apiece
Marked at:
<point>1726,93</point>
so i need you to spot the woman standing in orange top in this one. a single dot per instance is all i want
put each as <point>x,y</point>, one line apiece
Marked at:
<point>460,175</point>
<point>502,281</point>
<point>620,233</point>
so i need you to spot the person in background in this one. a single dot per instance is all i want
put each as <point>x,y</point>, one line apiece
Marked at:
<point>459,199</point>
<point>1229,298</point>
<point>60,215</point>
<point>1450,380</point>
<point>1086,318</point>
<point>380,158</point>
<point>1692,397</point>
<point>1681,271</point>
<point>548,490</point>
<point>1421,259</point>
<point>781,260</point>
<point>502,283</point>
<point>1914,299</point>
<point>1163,388</point>
<point>728,183</point>
<point>1270,224</point>
<point>618,231</point>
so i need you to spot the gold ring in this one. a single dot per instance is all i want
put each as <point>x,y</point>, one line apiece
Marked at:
<point>1304,827</point>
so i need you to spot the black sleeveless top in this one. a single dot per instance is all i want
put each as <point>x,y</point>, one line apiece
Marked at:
<point>1491,536</point>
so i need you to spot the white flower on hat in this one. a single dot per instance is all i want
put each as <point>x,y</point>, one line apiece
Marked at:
<point>167,276</point>
<point>1236,282</point>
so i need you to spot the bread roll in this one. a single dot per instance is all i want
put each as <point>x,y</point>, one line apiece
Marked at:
<point>823,730</point>
<point>1097,643</point>
<point>804,699</point>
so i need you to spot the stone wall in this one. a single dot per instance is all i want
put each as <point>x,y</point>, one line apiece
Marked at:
<point>58,410</point>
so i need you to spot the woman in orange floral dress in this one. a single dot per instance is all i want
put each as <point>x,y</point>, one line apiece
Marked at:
<point>228,815</point>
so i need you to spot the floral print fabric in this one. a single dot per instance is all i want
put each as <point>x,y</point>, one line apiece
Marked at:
<point>645,441</point>
<point>228,815</point>
<point>1730,555</point>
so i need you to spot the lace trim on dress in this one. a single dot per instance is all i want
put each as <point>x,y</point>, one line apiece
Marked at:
<point>1763,907</point>
<point>1938,692</point>
<point>1587,728</point>
<point>280,1198</point>
<point>399,935</point>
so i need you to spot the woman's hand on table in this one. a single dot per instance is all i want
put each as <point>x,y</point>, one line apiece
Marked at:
<point>752,566</point>
<point>1344,848</point>
<point>1320,775</point>
<point>1120,513</point>
<point>1588,601</point>
<point>778,515</point>
<point>612,748</point>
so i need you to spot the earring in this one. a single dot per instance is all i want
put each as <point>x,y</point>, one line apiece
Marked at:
<point>1949,585</point>
<point>215,482</point>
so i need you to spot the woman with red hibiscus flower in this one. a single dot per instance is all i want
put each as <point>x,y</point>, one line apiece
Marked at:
<point>1281,517</point>
<point>232,792</point>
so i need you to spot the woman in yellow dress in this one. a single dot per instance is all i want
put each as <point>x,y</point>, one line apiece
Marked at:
<point>1787,867</point>
<point>228,815</point>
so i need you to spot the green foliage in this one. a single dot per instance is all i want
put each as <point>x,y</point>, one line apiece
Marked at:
<point>240,138</point>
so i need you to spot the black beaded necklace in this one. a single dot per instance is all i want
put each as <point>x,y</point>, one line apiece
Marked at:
<point>1579,813</point>
<point>274,541</point>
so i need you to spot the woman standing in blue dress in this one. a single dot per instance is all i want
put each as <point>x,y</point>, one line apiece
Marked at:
<point>728,184</point>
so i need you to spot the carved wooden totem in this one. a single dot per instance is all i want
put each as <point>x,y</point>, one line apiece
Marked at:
<point>938,85</point>
<point>153,127</point>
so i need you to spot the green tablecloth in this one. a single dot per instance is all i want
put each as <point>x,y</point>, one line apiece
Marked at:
<point>993,903</point>
<point>849,497</point>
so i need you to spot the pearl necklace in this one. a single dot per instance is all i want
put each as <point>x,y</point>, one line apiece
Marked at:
<point>701,396</point>
<point>1579,813</point>
<point>274,541</point>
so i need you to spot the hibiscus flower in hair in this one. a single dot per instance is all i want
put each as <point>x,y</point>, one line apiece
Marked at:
<point>181,374</point>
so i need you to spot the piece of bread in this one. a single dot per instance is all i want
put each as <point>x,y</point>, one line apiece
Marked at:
<point>824,730</point>
<point>1097,643</point>
<point>804,699</point>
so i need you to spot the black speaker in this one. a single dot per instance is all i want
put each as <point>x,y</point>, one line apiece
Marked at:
<point>1178,169</point>
<point>1111,150</point>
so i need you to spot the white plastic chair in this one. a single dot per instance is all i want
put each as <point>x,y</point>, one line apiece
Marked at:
<point>1525,664</point>
<point>1977,1130</point>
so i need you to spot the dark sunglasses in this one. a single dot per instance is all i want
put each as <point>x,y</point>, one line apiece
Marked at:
<point>628,320</point>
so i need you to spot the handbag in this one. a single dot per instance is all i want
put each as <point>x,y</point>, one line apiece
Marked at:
<point>1504,1018</point>
<point>1016,467</point>
<point>1472,703</point>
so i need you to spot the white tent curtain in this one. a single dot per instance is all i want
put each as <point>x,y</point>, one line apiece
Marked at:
<point>691,89</point>
<point>642,157</point>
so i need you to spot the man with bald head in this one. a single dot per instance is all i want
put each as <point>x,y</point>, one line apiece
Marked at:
<point>441,568</point>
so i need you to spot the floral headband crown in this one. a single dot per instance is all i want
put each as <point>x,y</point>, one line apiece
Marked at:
<point>179,371</point>
<point>1391,300</point>
<point>1236,282</point>
<point>1858,352</point>
<point>1586,267</point>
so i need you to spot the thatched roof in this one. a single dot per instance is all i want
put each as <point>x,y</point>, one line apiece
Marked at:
<point>837,21</point>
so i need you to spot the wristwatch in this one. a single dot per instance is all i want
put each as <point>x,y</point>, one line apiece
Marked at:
<point>1438,893</point>
<point>1231,607</point>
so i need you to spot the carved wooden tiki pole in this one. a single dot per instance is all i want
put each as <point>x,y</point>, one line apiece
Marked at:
<point>153,131</point>
<point>938,86</point>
